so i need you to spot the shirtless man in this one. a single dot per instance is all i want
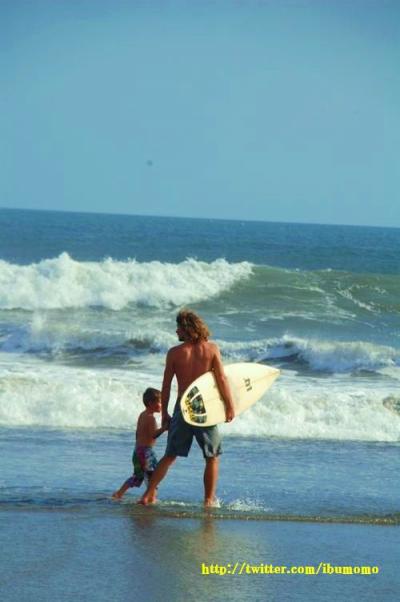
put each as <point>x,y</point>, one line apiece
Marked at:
<point>189,360</point>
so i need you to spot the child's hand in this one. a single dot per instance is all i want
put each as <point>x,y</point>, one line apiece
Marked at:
<point>166,419</point>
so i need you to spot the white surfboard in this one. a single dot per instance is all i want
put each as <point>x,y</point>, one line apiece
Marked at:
<point>202,405</point>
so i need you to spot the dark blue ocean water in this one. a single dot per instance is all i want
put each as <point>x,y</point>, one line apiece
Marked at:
<point>30,236</point>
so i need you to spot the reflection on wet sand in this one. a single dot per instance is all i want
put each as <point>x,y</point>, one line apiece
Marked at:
<point>178,548</point>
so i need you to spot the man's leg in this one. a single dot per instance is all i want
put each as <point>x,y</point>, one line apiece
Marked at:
<point>210,480</point>
<point>161,470</point>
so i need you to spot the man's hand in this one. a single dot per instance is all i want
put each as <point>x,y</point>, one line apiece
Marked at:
<point>229,412</point>
<point>165,420</point>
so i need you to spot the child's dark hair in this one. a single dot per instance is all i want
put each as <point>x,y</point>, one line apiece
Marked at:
<point>150,395</point>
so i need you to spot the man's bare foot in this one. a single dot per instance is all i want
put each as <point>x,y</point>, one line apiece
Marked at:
<point>146,500</point>
<point>211,503</point>
<point>117,495</point>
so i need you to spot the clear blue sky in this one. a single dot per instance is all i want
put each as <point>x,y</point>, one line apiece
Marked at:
<point>277,110</point>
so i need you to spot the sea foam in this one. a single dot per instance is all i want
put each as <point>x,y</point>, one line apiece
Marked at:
<point>38,394</point>
<point>313,410</point>
<point>318,355</point>
<point>32,394</point>
<point>65,283</point>
<point>45,334</point>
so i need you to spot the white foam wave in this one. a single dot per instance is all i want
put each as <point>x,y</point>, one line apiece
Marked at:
<point>46,334</point>
<point>246,505</point>
<point>348,356</point>
<point>64,283</point>
<point>36,393</point>
<point>33,394</point>
<point>306,409</point>
<point>324,356</point>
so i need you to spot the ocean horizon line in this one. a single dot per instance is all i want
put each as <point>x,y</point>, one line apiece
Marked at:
<point>198,218</point>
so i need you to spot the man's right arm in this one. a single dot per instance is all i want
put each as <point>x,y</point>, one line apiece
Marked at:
<point>223,385</point>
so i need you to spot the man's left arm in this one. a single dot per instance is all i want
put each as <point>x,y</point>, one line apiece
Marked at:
<point>223,385</point>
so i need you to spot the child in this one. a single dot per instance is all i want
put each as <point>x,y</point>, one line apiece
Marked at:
<point>144,459</point>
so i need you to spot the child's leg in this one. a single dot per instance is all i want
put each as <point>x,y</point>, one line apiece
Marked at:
<point>138,460</point>
<point>149,495</point>
<point>133,481</point>
<point>117,495</point>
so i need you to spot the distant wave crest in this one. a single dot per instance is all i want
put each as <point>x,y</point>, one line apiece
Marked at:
<point>318,355</point>
<point>49,337</point>
<point>63,283</point>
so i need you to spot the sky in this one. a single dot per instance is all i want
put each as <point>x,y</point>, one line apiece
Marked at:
<point>271,110</point>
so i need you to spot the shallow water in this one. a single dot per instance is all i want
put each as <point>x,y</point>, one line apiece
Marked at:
<point>273,479</point>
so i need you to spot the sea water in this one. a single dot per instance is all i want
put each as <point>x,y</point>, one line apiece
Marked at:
<point>87,313</point>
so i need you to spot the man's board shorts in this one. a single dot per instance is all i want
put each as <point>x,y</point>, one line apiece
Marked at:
<point>144,461</point>
<point>180,437</point>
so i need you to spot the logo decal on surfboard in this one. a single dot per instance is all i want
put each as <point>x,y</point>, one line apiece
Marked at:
<point>247,384</point>
<point>195,406</point>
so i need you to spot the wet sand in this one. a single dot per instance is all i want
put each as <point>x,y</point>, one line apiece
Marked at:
<point>117,553</point>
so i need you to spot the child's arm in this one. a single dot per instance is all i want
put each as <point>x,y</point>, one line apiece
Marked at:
<point>159,432</point>
<point>150,427</point>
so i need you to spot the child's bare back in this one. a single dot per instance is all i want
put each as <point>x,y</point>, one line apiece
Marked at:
<point>146,430</point>
<point>144,459</point>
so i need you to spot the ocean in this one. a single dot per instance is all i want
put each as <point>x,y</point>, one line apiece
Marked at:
<point>87,313</point>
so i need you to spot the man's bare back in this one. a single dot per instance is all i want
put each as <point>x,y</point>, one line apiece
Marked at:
<point>187,362</point>
<point>191,360</point>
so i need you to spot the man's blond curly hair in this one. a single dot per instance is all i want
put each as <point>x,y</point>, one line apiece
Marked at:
<point>194,327</point>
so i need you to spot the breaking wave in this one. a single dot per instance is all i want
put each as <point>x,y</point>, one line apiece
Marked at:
<point>37,394</point>
<point>65,283</point>
<point>321,356</point>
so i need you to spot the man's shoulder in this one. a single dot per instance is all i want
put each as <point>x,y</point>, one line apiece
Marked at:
<point>174,350</point>
<point>183,348</point>
<point>213,347</point>
<point>212,344</point>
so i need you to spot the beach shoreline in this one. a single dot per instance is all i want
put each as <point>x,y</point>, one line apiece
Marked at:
<point>60,555</point>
